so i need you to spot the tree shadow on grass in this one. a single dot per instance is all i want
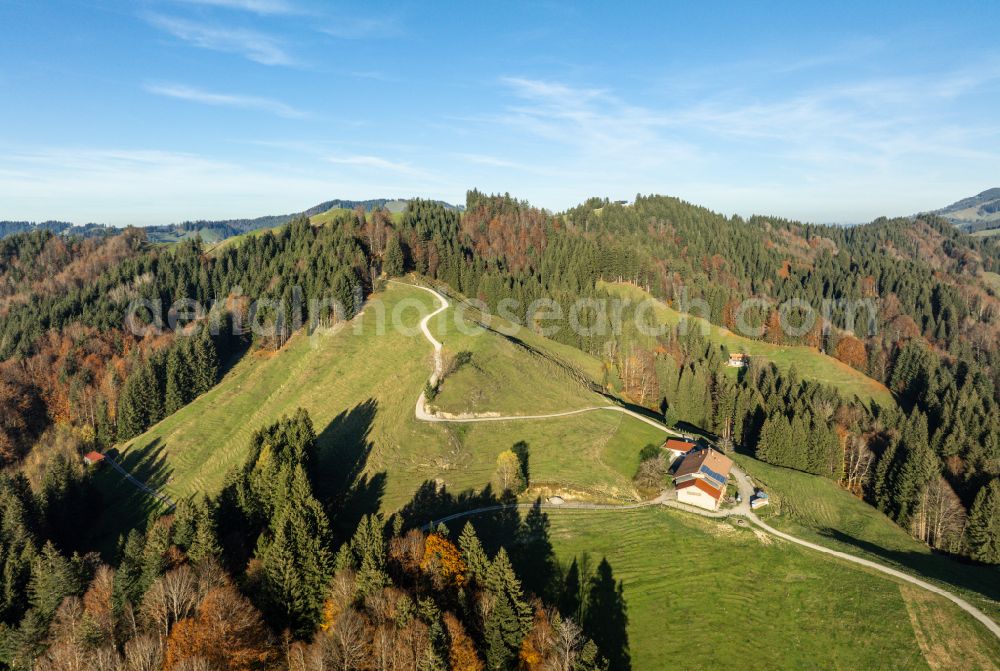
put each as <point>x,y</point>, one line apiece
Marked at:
<point>984,580</point>
<point>123,504</point>
<point>605,617</point>
<point>146,463</point>
<point>340,482</point>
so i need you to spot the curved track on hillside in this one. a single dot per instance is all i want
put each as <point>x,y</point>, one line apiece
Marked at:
<point>423,414</point>
<point>743,482</point>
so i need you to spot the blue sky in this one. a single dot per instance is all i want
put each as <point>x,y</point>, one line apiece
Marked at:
<point>159,111</point>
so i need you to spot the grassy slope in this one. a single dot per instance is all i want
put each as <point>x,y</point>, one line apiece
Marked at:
<point>328,216</point>
<point>818,510</point>
<point>360,389</point>
<point>517,374</point>
<point>809,362</point>
<point>237,240</point>
<point>718,596</point>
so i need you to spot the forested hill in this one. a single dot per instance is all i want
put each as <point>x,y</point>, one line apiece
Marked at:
<point>207,230</point>
<point>73,378</point>
<point>934,306</point>
<point>61,227</point>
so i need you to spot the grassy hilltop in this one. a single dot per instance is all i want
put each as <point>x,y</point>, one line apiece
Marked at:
<point>360,389</point>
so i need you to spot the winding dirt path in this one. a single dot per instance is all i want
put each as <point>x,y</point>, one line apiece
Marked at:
<point>743,482</point>
<point>425,415</point>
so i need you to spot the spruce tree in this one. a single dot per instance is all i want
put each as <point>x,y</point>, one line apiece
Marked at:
<point>393,259</point>
<point>53,577</point>
<point>510,618</point>
<point>797,455</point>
<point>368,545</point>
<point>176,385</point>
<point>295,561</point>
<point>982,532</point>
<point>128,578</point>
<point>18,545</point>
<point>182,529</point>
<point>154,553</point>
<point>774,444</point>
<point>343,295</point>
<point>914,471</point>
<point>473,553</point>
<point>131,416</point>
<point>204,363</point>
<point>205,539</point>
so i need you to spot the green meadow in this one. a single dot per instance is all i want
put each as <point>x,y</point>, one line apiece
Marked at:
<point>710,592</point>
<point>809,362</point>
<point>707,594</point>
<point>360,387</point>
<point>818,510</point>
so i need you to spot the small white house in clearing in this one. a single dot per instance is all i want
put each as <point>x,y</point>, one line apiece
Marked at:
<point>737,360</point>
<point>701,478</point>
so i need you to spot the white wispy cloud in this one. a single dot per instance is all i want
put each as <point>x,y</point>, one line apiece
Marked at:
<point>363,27</point>
<point>487,159</point>
<point>857,147</point>
<point>256,6</point>
<point>253,45</point>
<point>591,121</point>
<point>377,163</point>
<point>865,121</point>
<point>182,92</point>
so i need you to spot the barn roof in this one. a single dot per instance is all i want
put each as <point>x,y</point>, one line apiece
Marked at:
<point>703,486</point>
<point>716,464</point>
<point>678,445</point>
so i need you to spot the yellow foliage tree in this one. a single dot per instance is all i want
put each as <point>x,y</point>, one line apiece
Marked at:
<point>508,475</point>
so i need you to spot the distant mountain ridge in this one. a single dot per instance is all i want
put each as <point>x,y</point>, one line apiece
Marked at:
<point>977,213</point>
<point>209,230</point>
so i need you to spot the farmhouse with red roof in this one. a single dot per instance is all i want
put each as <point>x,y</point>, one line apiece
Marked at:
<point>701,478</point>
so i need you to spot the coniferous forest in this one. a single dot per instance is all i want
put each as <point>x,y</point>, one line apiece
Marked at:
<point>272,574</point>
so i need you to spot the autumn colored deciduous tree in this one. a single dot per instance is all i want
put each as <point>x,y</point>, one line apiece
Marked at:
<point>443,562</point>
<point>773,331</point>
<point>851,351</point>
<point>508,474</point>
<point>462,655</point>
<point>228,633</point>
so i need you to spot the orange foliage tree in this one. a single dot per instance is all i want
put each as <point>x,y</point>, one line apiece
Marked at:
<point>852,351</point>
<point>462,654</point>
<point>228,633</point>
<point>443,562</point>
<point>773,331</point>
